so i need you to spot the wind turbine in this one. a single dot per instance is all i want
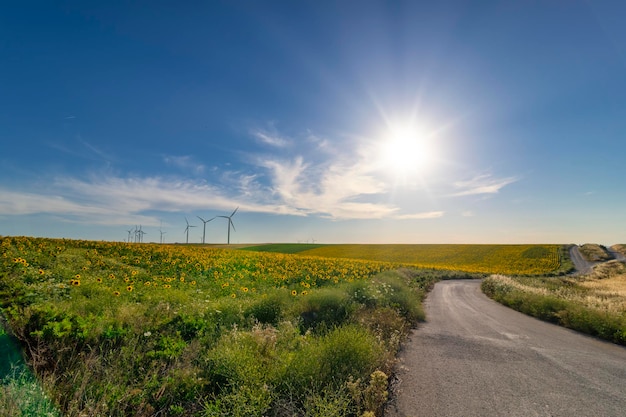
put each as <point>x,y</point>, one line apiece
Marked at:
<point>162,233</point>
<point>204,227</point>
<point>141,233</point>
<point>230,222</point>
<point>187,228</point>
<point>130,231</point>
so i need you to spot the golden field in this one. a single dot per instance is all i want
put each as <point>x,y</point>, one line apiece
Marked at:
<point>492,259</point>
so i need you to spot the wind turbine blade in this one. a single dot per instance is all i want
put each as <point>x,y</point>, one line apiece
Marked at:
<point>186,221</point>
<point>213,218</point>
<point>234,212</point>
<point>201,219</point>
<point>226,217</point>
<point>232,224</point>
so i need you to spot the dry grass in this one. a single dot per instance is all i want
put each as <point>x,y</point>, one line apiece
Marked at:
<point>607,287</point>
<point>594,253</point>
<point>621,248</point>
<point>594,304</point>
<point>604,289</point>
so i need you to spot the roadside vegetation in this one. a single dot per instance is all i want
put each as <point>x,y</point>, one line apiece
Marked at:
<point>621,248</point>
<point>136,329</point>
<point>594,304</point>
<point>595,253</point>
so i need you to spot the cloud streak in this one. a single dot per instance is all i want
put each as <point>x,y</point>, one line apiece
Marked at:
<point>336,186</point>
<point>482,184</point>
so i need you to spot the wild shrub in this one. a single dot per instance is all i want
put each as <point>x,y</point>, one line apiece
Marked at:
<point>326,308</point>
<point>327,361</point>
<point>268,309</point>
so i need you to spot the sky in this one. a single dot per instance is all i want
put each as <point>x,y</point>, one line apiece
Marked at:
<point>321,121</point>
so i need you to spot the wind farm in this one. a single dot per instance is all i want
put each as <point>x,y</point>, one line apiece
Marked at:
<point>136,233</point>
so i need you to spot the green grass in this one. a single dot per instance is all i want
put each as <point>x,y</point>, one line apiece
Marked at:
<point>117,329</point>
<point>20,392</point>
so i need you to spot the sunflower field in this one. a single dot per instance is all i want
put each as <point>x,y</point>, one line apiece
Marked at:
<point>117,329</point>
<point>487,259</point>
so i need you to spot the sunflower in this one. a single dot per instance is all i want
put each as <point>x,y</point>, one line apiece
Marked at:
<point>294,292</point>
<point>244,289</point>
<point>77,276</point>
<point>233,295</point>
<point>193,282</point>
<point>116,293</point>
<point>75,282</point>
<point>99,280</point>
<point>129,288</point>
<point>112,276</point>
<point>41,272</point>
<point>182,279</point>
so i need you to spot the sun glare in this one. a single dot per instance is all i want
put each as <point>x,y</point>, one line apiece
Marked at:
<point>405,150</point>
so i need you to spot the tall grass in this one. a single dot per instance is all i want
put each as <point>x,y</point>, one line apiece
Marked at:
<point>145,330</point>
<point>595,304</point>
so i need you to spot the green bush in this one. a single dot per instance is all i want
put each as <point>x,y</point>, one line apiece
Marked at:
<point>325,308</point>
<point>327,361</point>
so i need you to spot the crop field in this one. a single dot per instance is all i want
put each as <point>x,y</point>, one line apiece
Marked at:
<point>122,329</point>
<point>489,259</point>
<point>594,304</point>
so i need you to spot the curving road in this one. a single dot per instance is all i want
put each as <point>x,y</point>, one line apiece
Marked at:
<point>582,265</point>
<point>475,357</point>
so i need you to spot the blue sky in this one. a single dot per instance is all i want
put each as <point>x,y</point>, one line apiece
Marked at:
<point>364,122</point>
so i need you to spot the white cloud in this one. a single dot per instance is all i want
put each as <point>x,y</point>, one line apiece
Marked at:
<point>269,138</point>
<point>421,216</point>
<point>482,184</point>
<point>340,185</point>
<point>184,163</point>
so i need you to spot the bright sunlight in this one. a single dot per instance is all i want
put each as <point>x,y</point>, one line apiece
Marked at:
<point>406,150</point>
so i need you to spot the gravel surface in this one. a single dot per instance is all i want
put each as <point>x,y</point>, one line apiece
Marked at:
<point>475,357</point>
<point>582,265</point>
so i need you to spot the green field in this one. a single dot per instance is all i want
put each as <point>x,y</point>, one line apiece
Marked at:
<point>173,330</point>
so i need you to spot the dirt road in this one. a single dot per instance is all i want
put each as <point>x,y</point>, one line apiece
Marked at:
<point>582,265</point>
<point>475,357</point>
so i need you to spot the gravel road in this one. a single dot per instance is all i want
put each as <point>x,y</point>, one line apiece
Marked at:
<point>582,265</point>
<point>475,357</point>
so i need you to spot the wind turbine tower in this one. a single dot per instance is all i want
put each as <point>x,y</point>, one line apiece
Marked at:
<point>141,233</point>
<point>230,222</point>
<point>204,227</point>
<point>187,228</point>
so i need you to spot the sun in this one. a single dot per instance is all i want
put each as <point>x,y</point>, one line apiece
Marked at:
<point>405,149</point>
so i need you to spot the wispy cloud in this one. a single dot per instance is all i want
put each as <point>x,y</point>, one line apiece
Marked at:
<point>420,216</point>
<point>271,138</point>
<point>335,185</point>
<point>482,184</point>
<point>184,163</point>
